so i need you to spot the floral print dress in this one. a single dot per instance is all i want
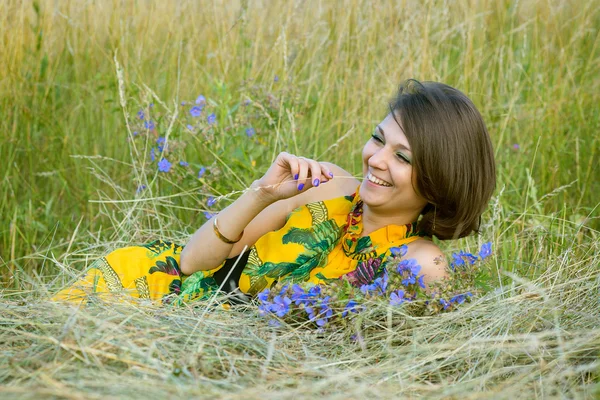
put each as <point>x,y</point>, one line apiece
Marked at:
<point>319,242</point>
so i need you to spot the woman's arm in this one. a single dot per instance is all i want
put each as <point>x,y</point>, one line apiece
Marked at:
<point>258,211</point>
<point>205,250</point>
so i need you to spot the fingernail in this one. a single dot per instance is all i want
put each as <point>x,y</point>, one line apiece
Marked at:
<point>316,182</point>
<point>296,176</point>
<point>301,186</point>
<point>331,174</point>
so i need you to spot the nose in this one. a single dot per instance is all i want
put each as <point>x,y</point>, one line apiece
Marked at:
<point>378,159</point>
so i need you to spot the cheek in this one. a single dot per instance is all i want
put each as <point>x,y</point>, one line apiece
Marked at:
<point>366,153</point>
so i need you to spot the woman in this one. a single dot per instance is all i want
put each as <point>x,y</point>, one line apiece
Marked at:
<point>428,170</point>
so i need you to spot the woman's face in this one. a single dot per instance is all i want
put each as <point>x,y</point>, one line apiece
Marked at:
<point>387,156</point>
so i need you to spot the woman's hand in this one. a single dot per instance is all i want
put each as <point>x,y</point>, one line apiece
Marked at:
<point>290,175</point>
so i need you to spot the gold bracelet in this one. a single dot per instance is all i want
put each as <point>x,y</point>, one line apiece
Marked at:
<point>223,238</point>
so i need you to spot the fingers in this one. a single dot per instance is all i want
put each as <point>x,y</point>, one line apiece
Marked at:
<point>312,173</point>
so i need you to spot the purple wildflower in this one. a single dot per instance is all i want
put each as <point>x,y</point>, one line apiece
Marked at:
<point>152,154</point>
<point>140,114</point>
<point>184,163</point>
<point>399,251</point>
<point>350,307</point>
<point>281,305</point>
<point>201,100</point>
<point>486,250</point>
<point>211,119</point>
<point>164,165</point>
<point>445,303</point>
<point>190,127</point>
<point>211,201</point>
<point>201,172</point>
<point>209,215</point>
<point>149,125</point>
<point>264,295</point>
<point>160,142</point>
<point>195,111</point>
<point>140,188</point>
<point>250,132</point>
<point>397,298</point>
<point>276,79</point>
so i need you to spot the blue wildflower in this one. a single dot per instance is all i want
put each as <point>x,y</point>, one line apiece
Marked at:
<point>314,291</point>
<point>276,79</point>
<point>350,307</point>
<point>164,165</point>
<point>298,294</point>
<point>201,100</point>
<point>281,305</point>
<point>325,312</point>
<point>195,111</point>
<point>457,259</point>
<point>190,127</point>
<point>209,215</point>
<point>264,295</point>
<point>311,312</point>
<point>140,114</point>
<point>411,266</point>
<point>411,280</point>
<point>184,163</point>
<point>246,102</point>
<point>460,298</point>
<point>462,257</point>
<point>211,119</point>
<point>160,142</point>
<point>149,125</point>
<point>444,303</point>
<point>486,250</point>
<point>250,132</point>
<point>397,298</point>
<point>140,188</point>
<point>183,103</point>
<point>399,251</point>
<point>135,133</point>
<point>211,201</point>
<point>152,154</point>
<point>420,281</point>
<point>201,172</point>
<point>151,105</point>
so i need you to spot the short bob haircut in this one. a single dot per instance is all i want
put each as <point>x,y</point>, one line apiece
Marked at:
<point>453,158</point>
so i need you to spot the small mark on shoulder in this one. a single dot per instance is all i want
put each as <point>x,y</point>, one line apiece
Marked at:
<point>439,260</point>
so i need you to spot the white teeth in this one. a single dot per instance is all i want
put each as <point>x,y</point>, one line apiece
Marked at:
<point>377,180</point>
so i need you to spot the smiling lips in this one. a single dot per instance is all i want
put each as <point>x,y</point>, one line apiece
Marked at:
<point>377,181</point>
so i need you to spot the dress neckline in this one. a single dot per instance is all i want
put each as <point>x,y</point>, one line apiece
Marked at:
<point>358,247</point>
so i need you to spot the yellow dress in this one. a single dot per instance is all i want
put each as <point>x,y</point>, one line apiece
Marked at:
<point>319,242</point>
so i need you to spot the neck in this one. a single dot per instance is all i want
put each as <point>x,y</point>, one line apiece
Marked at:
<point>373,221</point>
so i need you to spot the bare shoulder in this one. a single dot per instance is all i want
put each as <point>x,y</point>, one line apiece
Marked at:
<point>431,259</point>
<point>342,184</point>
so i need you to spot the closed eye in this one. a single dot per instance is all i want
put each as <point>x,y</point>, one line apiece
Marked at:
<point>400,156</point>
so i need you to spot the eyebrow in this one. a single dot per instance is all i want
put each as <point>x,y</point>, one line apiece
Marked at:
<point>399,145</point>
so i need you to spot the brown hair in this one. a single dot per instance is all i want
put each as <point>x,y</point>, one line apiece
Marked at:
<point>453,158</point>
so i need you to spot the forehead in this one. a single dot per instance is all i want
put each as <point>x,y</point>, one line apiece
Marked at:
<point>393,132</point>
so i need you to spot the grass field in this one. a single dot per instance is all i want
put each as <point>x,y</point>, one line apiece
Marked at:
<point>311,78</point>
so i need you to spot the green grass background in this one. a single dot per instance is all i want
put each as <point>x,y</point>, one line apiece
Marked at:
<point>318,75</point>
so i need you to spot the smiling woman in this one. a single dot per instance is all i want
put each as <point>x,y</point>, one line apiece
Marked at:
<point>428,169</point>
